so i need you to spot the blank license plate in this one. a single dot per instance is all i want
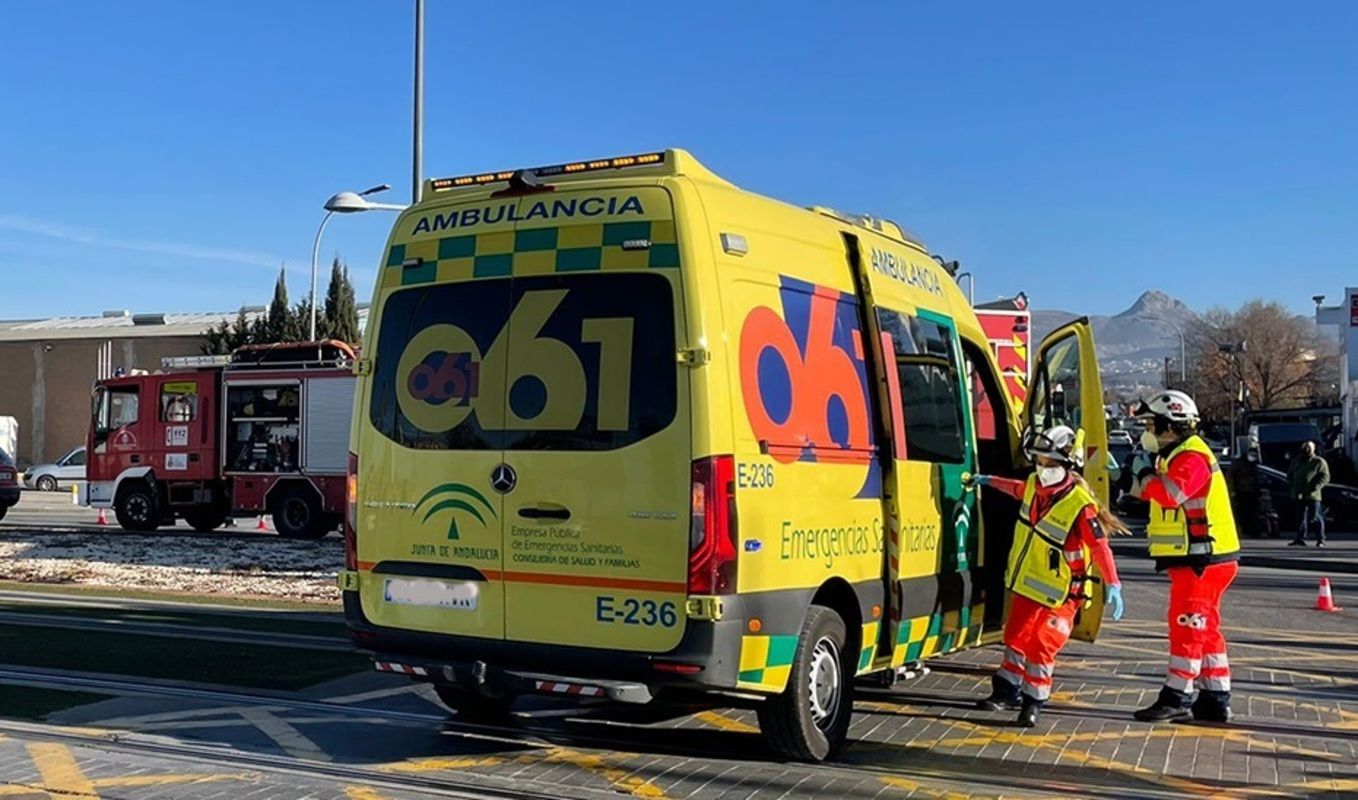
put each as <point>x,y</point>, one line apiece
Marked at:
<point>460,595</point>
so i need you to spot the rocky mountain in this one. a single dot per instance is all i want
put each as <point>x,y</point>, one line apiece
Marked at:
<point>1132,344</point>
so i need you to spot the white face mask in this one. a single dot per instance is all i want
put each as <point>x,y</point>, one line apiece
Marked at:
<point>1050,476</point>
<point>1149,442</point>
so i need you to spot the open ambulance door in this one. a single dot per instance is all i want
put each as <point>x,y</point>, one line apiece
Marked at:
<point>1066,389</point>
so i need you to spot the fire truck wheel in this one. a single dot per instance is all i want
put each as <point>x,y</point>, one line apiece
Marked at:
<point>205,519</point>
<point>297,514</point>
<point>136,508</point>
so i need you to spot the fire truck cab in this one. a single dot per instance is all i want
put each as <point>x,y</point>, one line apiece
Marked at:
<point>262,431</point>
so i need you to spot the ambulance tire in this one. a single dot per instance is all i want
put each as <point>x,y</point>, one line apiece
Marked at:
<point>206,518</point>
<point>810,720</point>
<point>297,514</point>
<point>137,507</point>
<point>474,706</point>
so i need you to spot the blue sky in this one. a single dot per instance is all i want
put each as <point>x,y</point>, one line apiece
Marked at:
<point>165,156</point>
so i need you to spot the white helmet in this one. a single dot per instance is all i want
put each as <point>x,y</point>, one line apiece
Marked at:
<point>1171,404</point>
<point>1057,443</point>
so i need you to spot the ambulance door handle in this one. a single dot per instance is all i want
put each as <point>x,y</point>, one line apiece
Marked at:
<point>530,512</point>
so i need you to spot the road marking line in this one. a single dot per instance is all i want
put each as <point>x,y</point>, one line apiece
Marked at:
<point>724,722</point>
<point>135,781</point>
<point>285,735</point>
<point>595,764</point>
<point>440,764</point>
<point>907,785</point>
<point>377,694</point>
<point>60,774</point>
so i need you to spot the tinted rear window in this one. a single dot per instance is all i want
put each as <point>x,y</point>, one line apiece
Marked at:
<point>5,460</point>
<point>553,362</point>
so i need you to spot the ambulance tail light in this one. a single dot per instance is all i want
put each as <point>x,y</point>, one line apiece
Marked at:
<point>351,514</point>
<point>712,550</point>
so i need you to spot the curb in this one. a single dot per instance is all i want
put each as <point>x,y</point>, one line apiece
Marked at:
<point>1267,562</point>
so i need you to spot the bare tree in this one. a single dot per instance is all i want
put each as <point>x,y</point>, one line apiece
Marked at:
<point>1282,365</point>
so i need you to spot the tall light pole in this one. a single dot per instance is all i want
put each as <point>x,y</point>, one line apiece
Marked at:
<point>342,203</point>
<point>417,156</point>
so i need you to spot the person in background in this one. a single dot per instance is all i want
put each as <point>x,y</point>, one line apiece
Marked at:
<point>1060,529</point>
<point>1245,493</point>
<point>1308,475</point>
<point>1193,539</point>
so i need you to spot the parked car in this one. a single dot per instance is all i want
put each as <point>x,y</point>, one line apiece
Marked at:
<point>65,471</point>
<point>9,483</point>
<point>1339,501</point>
<point>1119,436</point>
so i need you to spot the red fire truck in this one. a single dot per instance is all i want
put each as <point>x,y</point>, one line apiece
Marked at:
<point>264,430</point>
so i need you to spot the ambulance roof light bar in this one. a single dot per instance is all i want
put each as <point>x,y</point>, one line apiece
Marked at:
<point>572,168</point>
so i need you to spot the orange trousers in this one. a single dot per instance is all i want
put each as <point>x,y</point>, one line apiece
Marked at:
<point>1197,649</point>
<point>1033,635</point>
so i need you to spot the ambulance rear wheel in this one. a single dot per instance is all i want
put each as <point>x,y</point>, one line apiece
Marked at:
<point>205,519</point>
<point>297,514</point>
<point>809,721</point>
<point>137,508</point>
<point>474,706</point>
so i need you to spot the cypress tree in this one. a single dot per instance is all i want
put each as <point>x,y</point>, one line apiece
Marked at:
<point>341,309</point>
<point>281,323</point>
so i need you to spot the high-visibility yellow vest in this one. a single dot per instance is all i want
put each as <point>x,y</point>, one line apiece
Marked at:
<point>1039,568</point>
<point>1202,526</point>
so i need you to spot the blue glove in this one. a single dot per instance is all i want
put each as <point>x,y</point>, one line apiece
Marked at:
<point>1114,598</point>
<point>979,480</point>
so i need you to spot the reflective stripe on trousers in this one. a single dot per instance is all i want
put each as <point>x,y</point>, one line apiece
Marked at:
<point>1011,668</point>
<point>1216,673</point>
<point>1037,681</point>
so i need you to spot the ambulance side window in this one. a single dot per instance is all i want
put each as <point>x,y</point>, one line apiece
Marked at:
<point>930,384</point>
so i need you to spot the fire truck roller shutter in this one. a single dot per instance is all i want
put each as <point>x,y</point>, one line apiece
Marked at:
<point>329,404</point>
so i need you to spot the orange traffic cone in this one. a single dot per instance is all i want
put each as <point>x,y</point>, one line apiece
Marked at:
<point>1325,600</point>
<point>103,520</point>
<point>262,526</point>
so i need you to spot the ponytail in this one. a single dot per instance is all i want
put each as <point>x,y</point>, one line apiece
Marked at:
<point>1107,519</point>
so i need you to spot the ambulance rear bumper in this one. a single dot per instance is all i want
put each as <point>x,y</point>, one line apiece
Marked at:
<point>707,656</point>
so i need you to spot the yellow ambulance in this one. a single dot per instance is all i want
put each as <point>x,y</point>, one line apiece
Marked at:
<point>626,431</point>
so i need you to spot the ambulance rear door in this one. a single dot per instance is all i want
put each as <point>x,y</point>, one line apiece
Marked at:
<point>1066,389</point>
<point>597,435</point>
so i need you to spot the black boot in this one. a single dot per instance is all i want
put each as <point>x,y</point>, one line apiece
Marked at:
<point>1170,705</point>
<point>1212,707</point>
<point>1032,709</point>
<point>1003,696</point>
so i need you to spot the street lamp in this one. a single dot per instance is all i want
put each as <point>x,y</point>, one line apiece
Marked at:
<point>343,203</point>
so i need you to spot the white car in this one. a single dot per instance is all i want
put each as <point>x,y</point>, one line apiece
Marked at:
<point>65,471</point>
<point>1117,435</point>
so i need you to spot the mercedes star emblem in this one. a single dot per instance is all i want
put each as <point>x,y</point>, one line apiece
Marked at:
<point>503,479</point>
